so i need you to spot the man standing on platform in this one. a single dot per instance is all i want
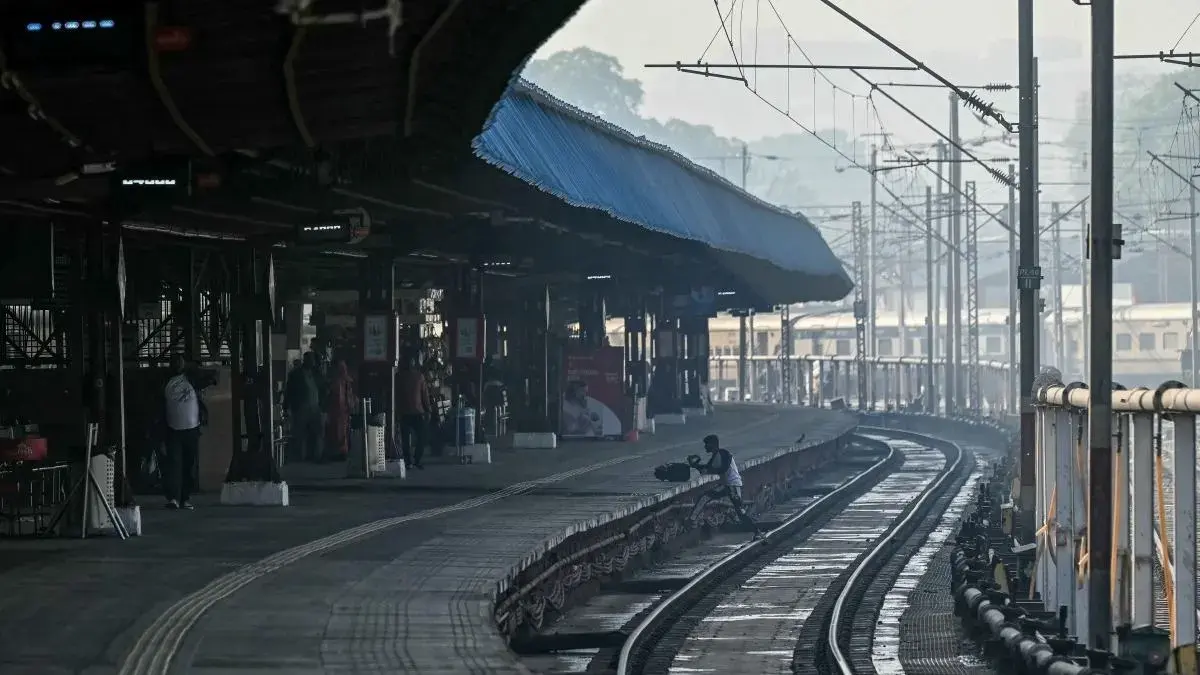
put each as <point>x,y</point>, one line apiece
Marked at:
<point>413,409</point>
<point>183,436</point>
<point>303,401</point>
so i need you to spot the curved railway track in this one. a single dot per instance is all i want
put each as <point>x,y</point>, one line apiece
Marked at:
<point>806,598</point>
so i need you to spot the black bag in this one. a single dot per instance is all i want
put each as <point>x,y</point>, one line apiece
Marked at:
<point>675,472</point>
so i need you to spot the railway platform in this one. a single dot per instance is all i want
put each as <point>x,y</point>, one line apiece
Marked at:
<point>386,576</point>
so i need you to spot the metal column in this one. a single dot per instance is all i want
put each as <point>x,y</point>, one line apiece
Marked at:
<point>1183,553</point>
<point>1060,349</point>
<point>1100,368</point>
<point>1141,526</point>
<point>743,389</point>
<point>1085,323</point>
<point>1028,274</point>
<point>930,305</point>
<point>872,266</point>
<point>786,380</point>
<point>974,402</point>
<point>956,240</point>
<point>1195,283</point>
<point>860,304</point>
<point>1013,373</point>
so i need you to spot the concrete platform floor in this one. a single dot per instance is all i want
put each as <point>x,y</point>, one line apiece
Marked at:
<point>356,577</point>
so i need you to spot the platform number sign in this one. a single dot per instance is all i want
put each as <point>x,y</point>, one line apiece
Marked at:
<point>1029,278</point>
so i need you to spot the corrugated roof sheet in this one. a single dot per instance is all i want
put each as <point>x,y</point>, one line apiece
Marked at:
<point>588,162</point>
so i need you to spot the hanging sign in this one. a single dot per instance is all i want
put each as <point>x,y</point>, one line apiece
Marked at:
<point>468,338</point>
<point>375,338</point>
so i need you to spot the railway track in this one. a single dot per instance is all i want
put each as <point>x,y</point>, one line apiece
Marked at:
<point>807,597</point>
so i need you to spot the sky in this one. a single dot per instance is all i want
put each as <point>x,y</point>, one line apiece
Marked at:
<point>970,42</point>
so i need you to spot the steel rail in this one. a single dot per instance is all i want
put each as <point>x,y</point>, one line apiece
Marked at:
<point>933,491</point>
<point>638,634</point>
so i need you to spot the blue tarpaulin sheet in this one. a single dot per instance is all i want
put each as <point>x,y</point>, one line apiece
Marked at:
<point>590,163</point>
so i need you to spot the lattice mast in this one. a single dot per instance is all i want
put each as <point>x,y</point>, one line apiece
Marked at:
<point>785,353</point>
<point>859,235</point>
<point>972,256</point>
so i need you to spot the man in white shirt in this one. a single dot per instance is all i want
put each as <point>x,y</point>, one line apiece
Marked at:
<point>183,436</point>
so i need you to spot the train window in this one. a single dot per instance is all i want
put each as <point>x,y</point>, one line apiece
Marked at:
<point>883,346</point>
<point>914,346</point>
<point>1124,342</point>
<point>843,348</point>
<point>1170,340</point>
<point>1146,342</point>
<point>993,345</point>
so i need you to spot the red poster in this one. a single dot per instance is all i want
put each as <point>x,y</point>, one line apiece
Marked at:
<point>594,403</point>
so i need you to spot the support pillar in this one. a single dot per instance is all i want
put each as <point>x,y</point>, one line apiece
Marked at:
<point>593,312</point>
<point>253,314</point>
<point>693,362</point>
<point>378,340</point>
<point>532,393</point>
<point>665,403</point>
<point>104,378</point>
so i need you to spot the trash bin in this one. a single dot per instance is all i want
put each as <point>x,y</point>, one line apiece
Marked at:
<point>464,425</point>
<point>376,442</point>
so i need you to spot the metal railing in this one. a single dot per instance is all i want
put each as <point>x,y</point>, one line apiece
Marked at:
<point>895,382</point>
<point>1144,469</point>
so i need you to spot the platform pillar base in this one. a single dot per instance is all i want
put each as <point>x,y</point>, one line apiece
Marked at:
<point>540,440</point>
<point>262,493</point>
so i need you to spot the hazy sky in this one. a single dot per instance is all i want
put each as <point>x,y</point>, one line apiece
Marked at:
<point>971,42</point>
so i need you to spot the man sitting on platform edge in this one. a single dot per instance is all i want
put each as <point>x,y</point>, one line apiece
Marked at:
<point>721,463</point>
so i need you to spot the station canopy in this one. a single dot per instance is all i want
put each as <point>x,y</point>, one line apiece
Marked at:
<point>590,163</point>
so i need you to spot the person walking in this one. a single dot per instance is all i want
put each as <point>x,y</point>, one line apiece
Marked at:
<point>413,409</point>
<point>721,463</point>
<point>182,436</point>
<point>341,403</point>
<point>302,399</point>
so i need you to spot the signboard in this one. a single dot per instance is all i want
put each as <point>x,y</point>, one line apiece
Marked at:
<point>594,403</point>
<point>1029,278</point>
<point>344,226</point>
<point>699,302</point>
<point>375,338</point>
<point>468,338</point>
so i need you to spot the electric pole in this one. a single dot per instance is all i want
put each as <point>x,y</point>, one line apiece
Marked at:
<point>744,346</point>
<point>1084,331</point>
<point>752,385</point>
<point>1195,309</point>
<point>1104,241</point>
<point>872,267</point>
<point>1013,376</point>
<point>1060,350</point>
<point>930,303</point>
<point>939,337</point>
<point>902,270</point>
<point>860,300</point>
<point>956,240</point>
<point>974,387</point>
<point>1028,274</point>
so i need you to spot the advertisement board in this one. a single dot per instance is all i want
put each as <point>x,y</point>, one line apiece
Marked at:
<point>594,403</point>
